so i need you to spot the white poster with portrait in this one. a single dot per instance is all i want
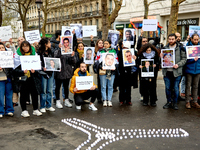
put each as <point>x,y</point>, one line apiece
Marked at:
<point>89,55</point>
<point>67,44</point>
<point>168,58</point>
<point>52,64</point>
<point>113,35</point>
<point>78,30</point>
<point>147,69</point>
<point>30,62</point>
<point>194,30</point>
<point>128,57</point>
<point>84,83</point>
<point>66,31</point>
<point>129,35</point>
<point>108,61</point>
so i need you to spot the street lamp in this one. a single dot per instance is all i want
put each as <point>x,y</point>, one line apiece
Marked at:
<point>39,4</point>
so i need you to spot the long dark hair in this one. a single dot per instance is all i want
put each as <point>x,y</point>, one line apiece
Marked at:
<point>96,45</point>
<point>25,43</point>
<point>42,45</point>
<point>145,47</point>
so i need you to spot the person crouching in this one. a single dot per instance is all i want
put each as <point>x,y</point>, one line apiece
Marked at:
<point>81,95</point>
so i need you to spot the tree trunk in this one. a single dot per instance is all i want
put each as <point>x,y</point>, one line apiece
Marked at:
<point>146,12</point>
<point>44,25</point>
<point>1,15</point>
<point>172,28</point>
<point>24,24</point>
<point>105,21</point>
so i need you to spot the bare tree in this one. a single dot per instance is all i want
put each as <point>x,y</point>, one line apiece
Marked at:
<point>174,15</point>
<point>107,19</point>
<point>21,7</point>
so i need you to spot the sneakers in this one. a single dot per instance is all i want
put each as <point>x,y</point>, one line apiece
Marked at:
<point>1,116</point>
<point>195,105</point>
<point>67,103</point>
<point>43,110</point>
<point>141,98</point>
<point>167,105</point>
<point>50,109</point>
<point>92,107</point>
<point>37,113</point>
<point>129,103</point>
<point>175,106</point>
<point>121,103</point>
<point>25,114</point>
<point>109,103</point>
<point>58,104</point>
<point>78,107</point>
<point>105,103</point>
<point>10,114</point>
<point>187,105</point>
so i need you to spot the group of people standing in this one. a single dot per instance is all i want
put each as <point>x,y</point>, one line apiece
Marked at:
<point>47,84</point>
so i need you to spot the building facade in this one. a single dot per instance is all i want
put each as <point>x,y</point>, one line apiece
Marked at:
<point>64,13</point>
<point>133,12</point>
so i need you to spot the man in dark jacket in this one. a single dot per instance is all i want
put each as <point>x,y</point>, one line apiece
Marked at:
<point>172,76</point>
<point>55,41</point>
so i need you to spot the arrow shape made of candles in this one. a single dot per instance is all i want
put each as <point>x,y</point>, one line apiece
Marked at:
<point>112,135</point>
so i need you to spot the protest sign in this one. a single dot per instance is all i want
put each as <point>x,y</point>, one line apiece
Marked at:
<point>66,31</point>
<point>30,62</point>
<point>113,35</point>
<point>5,33</point>
<point>32,36</point>
<point>84,83</point>
<point>108,61</point>
<point>66,42</point>
<point>6,59</point>
<point>78,29</point>
<point>150,24</point>
<point>89,55</point>
<point>89,30</point>
<point>128,57</point>
<point>194,30</point>
<point>128,35</point>
<point>52,64</point>
<point>147,69</point>
<point>193,51</point>
<point>168,59</point>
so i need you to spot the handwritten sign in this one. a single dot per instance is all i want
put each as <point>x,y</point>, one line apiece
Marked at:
<point>5,33</point>
<point>150,24</point>
<point>32,36</point>
<point>6,59</point>
<point>89,30</point>
<point>30,62</point>
<point>84,83</point>
<point>194,30</point>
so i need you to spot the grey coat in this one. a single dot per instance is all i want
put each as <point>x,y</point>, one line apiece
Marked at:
<point>180,60</point>
<point>67,61</point>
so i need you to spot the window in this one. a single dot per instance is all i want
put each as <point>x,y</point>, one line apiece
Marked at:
<point>80,9</point>
<point>97,6</point>
<point>48,28</point>
<point>90,7</point>
<point>86,22</point>
<point>55,26</point>
<point>90,22</point>
<point>85,9</point>
<point>97,23</point>
<point>75,10</point>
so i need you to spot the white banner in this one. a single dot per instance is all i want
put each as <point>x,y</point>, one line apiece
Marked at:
<point>30,62</point>
<point>84,83</point>
<point>6,59</point>
<point>89,30</point>
<point>32,36</point>
<point>5,33</point>
<point>150,24</point>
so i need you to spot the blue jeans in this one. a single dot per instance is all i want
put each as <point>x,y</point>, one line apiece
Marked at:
<point>6,89</point>
<point>104,83</point>
<point>54,88</point>
<point>46,93</point>
<point>172,83</point>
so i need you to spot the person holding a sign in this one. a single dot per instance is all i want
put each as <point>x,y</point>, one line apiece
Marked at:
<point>172,76</point>
<point>81,95</point>
<point>148,83</point>
<point>47,83</point>
<point>27,78</point>
<point>107,76</point>
<point>5,89</point>
<point>192,71</point>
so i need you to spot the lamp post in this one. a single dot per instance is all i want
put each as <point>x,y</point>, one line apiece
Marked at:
<point>39,4</point>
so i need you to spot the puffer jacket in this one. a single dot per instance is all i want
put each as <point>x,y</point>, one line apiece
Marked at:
<point>67,61</point>
<point>192,66</point>
<point>73,82</point>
